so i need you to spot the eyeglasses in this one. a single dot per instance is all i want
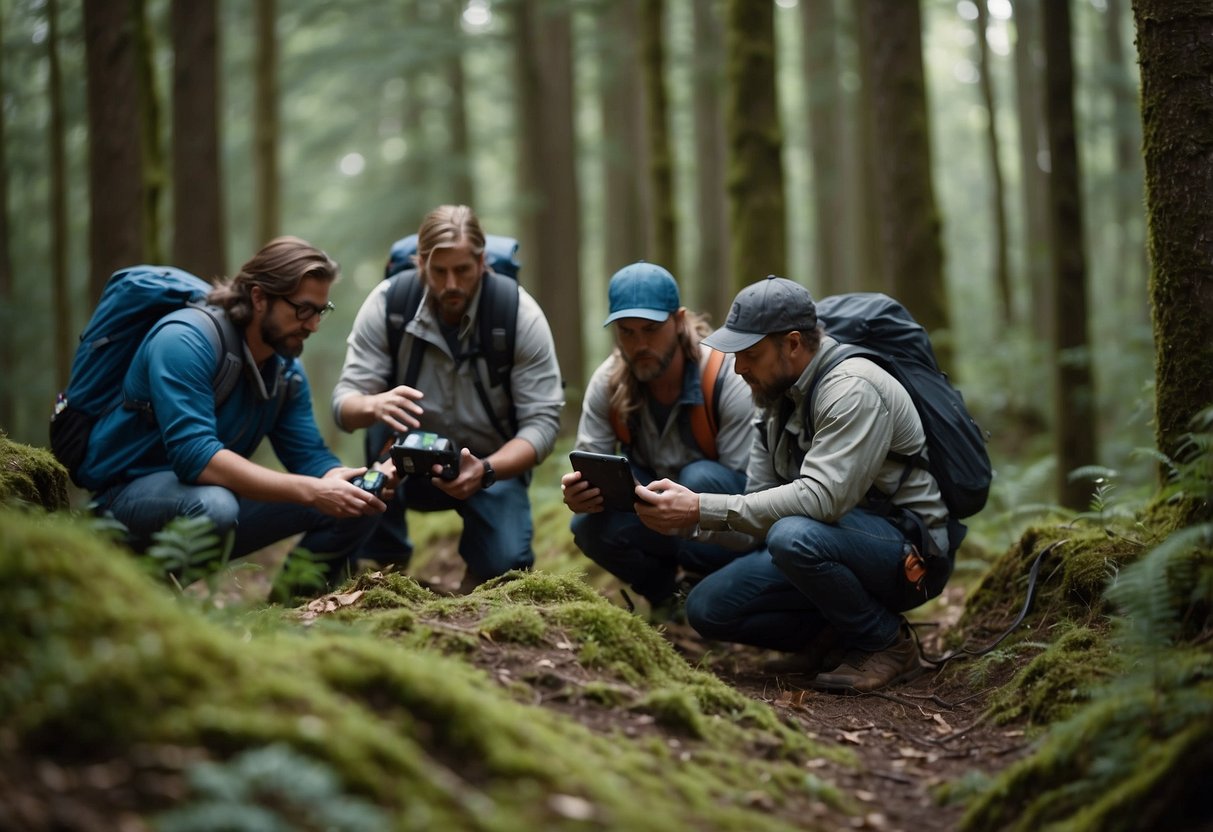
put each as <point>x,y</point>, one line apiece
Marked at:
<point>306,311</point>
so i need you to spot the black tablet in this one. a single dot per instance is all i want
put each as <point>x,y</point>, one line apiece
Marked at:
<point>611,474</point>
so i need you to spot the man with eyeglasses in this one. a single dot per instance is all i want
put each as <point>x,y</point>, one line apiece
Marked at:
<point>183,456</point>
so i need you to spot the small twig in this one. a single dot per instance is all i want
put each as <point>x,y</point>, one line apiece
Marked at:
<point>958,733</point>
<point>895,777</point>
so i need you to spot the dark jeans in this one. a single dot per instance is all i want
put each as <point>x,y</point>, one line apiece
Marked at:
<point>146,504</point>
<point>846,574</point>
<point>644,559</point>
<point>497,527</point>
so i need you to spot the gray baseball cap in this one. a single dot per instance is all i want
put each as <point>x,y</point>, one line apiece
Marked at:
<point>760,309</point>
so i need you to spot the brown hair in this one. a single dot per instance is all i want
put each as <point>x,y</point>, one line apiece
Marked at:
<point>625,389</point>
<point>278,269</point>
<point>447,226</point>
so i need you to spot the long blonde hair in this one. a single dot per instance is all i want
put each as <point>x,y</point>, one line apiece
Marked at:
<point>625,389</point>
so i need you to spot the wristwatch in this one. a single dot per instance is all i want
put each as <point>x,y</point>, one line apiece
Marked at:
<point>490,476</point>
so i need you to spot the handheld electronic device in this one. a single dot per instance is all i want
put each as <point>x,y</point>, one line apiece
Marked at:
<point>418,451</point>
<point>611,474</point>
<point>372,482</point>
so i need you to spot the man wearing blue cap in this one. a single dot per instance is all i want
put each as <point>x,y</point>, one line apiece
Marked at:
<point>828,585</point>
<point>678,412</point>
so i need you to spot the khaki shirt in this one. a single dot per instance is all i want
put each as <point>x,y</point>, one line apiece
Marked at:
<point>667,449</point>
<point>452,405</point>
<point>860,414</point>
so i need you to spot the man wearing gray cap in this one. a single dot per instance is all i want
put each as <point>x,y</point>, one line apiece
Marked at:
<point>828,586</point>
<point>678,411</point>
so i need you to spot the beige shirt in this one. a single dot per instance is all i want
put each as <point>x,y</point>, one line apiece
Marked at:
<point>452,405</point>
<point>860,414</point>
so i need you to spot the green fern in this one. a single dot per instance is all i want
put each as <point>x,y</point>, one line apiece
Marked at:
<point>188,548</point>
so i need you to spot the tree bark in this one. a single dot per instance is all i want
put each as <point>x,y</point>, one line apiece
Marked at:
<point>198,233</point>
<point>1000,267</point>
<point>757,207</point>
<point>868,272</point>
<point>267,184</point>
<point>116,187</point>
<point>713,287</point>
<point>661,160</point>
<point>1074,426</point>
<point>155,177</point>
<point>1175,54</point>
<point>61,300</point>
<point>7,313</point>
<point>1029,100</point>
<point>459,154</point>
<point>823,95</point>
<point>910,235</point>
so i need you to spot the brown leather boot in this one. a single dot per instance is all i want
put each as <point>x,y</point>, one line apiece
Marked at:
<point>861,671</point>
<point>824,652</point>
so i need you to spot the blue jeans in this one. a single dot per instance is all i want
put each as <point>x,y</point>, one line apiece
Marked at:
<point>146,504</point>
<point>847,575</point>
<point>497,528</point>
<point>646,560</point>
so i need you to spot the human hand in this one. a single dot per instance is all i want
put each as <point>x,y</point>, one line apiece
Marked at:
<point>469,481</point>
<point>397,408</point>
<point>334,495</point>
<point>579,495</point>
<point>667,507</point>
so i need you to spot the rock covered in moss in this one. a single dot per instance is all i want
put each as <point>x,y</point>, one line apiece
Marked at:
<point>31,475</point>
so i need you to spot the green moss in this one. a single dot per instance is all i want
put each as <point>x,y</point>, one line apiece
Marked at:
<point>1054,683</point>
<point>31,475</point>
<point>522,625</point>
<point>675,708</point>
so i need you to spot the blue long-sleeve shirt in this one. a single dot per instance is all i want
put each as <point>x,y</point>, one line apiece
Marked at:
<point>172,371</point>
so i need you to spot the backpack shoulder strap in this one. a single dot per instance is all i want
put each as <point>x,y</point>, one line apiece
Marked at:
<point>705,419</point>
<point>623,430</point>
<point>226,341</point>
<point>403,299</point>
<point>496,337</point>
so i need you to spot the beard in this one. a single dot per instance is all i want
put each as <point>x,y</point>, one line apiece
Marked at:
<point>769,395</point>
<point>654,364</point>
<point>286,343</point>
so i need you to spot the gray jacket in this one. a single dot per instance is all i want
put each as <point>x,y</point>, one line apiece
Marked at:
<point>667,449</point>
<point>860,414</point>
<point>452,405</point>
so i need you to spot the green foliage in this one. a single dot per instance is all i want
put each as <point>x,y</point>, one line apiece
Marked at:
<point>30,476</point>
<point>187,548</point>
<point>270,789</point>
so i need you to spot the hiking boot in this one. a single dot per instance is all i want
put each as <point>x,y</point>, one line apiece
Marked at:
<point>862,671</point>
<point>669,610</point>
<point>823,652</point>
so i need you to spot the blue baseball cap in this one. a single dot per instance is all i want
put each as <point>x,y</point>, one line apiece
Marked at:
<point>642,290</point>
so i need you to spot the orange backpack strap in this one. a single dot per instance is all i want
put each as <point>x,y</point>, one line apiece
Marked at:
<point>705,423</point>
<point>622,432</point>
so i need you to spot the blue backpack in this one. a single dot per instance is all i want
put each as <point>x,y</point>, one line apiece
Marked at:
<point>133,301</point>
<point>876,327</point>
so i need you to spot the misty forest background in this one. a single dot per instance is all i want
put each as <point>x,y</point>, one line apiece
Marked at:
<point>883,145</point>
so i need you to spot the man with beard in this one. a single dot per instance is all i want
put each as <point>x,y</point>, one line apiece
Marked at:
<point>828,585</point>
<point>176,454</point>
<point>502,433</point>
<point>642,401</point>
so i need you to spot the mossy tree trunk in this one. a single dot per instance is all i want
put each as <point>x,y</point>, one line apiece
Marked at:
<point>155,172</point>
<point>267,184</point>
<point>910,226</point>
<point>7,347</point>
<point>1175,53</point>
<point>757,207</point>
<point>1029,103</point>
<point>61,299</point>
<point>544,43</point>
<point>657,125</point>
<point>1074,439</point>
<point>998,215</point>
<point>116,170</point>
<point>823,99</point>
<point>713,286</point>
<point>627,191</point>
<point>458,186</point>
<point>198,228</point>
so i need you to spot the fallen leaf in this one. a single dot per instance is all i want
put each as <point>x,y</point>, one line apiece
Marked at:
<point>851,737</point>
<point>571,807</point>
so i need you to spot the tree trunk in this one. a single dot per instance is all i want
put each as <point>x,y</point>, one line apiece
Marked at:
<point>155,175</point>
<point>8,363</point>
<point>64,334</point>
<point>459,151</point>
<point>821,71</point>
<point>661,160</point>
<point>626,188</point>
<point>911,248</point>
<point>545,41</point>
<point>1175,53</point>
<point>757,208</point>
<point>1001,269</point>
<point>415,183</point>
<point>116,188</point>
<point>713,287</point>
<point>1074,388</point>
<point>267,186</point>
<point>858,144</point>
<point>198,228</point>
<point>1029,100</point>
